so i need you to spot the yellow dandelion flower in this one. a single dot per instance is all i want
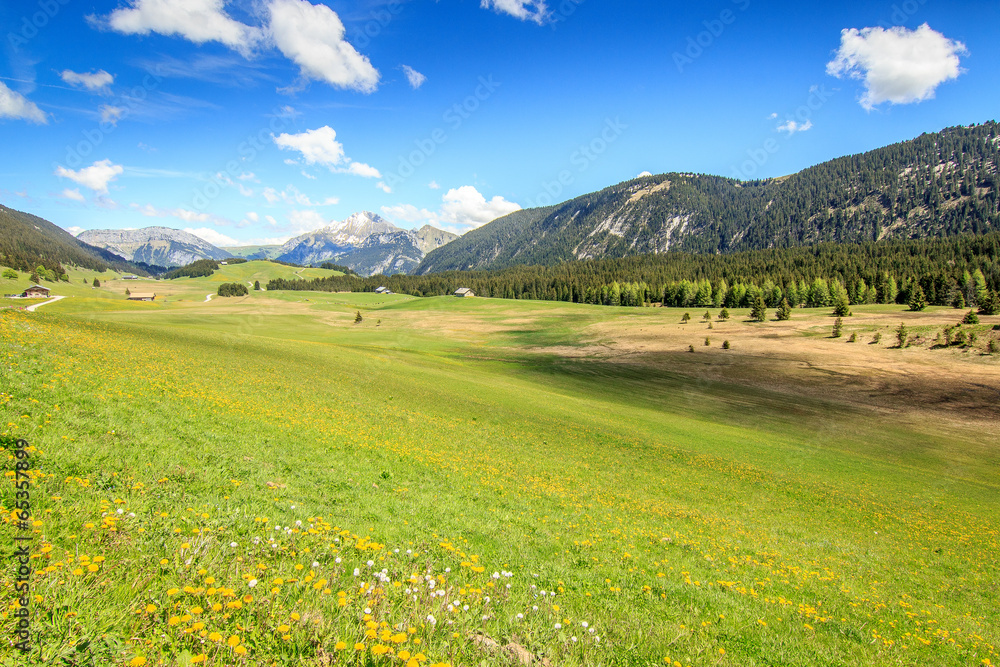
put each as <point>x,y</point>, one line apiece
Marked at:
<point>359,647</point>
<point>340,646</point>
<point>240,650</point>
<point>137,661</point>
<point>233,641</point>
<point>150,608</point>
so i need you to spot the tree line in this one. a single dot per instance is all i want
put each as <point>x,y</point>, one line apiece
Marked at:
<point>960,271</point>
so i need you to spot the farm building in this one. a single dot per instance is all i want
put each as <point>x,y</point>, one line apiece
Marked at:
<point>130,277</point>
<point>36,292</point>
<point>141,296</point>
<point>462,292</point>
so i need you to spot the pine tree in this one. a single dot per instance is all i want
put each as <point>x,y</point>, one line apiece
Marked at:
<point>838,327</point>
<point>970,318</point>
<point>686,318</point>
<point>784,311</point>
<point>990,305</point>
<point>759,311</point>
<point>724,314</point>
<point>358,318</point>
<point>725,345</point>
<point>97,283</point>
<point>917,301</point>
<point>901,335</point>
<point>842,306</point>
<point>256,285</point>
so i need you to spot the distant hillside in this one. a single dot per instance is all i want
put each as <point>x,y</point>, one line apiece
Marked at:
<point>254,251</point>
<point>154,245</point>
<point>366,243</point>
<point>27,241</point>
<point>939,184</point>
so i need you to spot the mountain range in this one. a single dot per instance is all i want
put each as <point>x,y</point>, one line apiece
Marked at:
<point>939,184</point>
<point>154,245</point>
<point>366,243</point>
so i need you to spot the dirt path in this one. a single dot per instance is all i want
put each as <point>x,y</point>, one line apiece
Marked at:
<point>31,309</point>
<point>208,297</point>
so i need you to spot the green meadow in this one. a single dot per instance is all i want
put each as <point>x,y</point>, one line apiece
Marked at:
<point>263,481</point>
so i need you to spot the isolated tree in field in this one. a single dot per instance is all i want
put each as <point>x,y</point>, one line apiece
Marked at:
<point>784,311</point>
<point>708,341</point>
<point>842,306</point>
<point>970,318</point>
<point>918,301</point>
<point>10,274</point>
<point>759,311</point>
<point>901,335</point>
<point>707,316</point>
<point>725,345</point>
<point>256,285</point>
<point>853,338</point>
<point>128,292</point>
<point>990,304</point>
<point>358,318</point>
<point>686,318</point>
<point>838,327</point>
<point>724,314</point>
<point>690,348</point>
<point>96,283</point>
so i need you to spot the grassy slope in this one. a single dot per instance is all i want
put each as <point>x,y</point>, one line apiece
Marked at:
<point>696,520</point>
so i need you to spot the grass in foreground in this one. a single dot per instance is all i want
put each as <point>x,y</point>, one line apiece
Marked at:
<point>224,498</point>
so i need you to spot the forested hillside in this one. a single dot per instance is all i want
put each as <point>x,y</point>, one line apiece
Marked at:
<point>27,242</point>
<point>959,271</point>
<point>937,185</point>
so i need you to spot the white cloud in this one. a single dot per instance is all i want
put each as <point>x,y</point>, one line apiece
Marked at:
<point>383,187</point>
<point>312,36</point>
<point>73,194</point>
<point>75,231</point>
<point>320,146</point>
<point>199,21</point>
<point>184,214</point>
<point>415,78</point>
<point>110,114</point>
<point>17,106</point>
<point>96,176</point>
<point>252,217</point>
<point>248,176</point>
<point>526,10</point>
<point>644,174</point>
<point>897,65</point>
<point>773,116</point>
<point>308,175</point>
<point>95,82</point>
<point>433,185</point>
<point>291,195</point>
<point>212,236</point>
<point>305,221</point>
<point>791,127</point>
<point>462,209</point>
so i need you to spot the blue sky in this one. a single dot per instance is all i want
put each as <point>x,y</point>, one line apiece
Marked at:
<point>255,120</point>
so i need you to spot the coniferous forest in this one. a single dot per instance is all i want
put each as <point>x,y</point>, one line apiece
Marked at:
<point>959,271</point>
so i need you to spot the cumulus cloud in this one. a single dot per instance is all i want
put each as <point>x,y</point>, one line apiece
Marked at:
<point>461,209</point>
<point>17,106</point>
<point>897,65</point>
<point>73,194</point>
<point>312,36</point>
<point>320,146</point>
<point>300,222</point>
<point>198,21</point>
<point>212,236</point>
<point>644,174</point>
<point>526,10</point>
<point>791,127</point>
<point>95,82</point>
<point>96,176</point>
<point>383,187</point>
<point>415,78</point>
<point>75,231</point>
<point>433,185</point>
